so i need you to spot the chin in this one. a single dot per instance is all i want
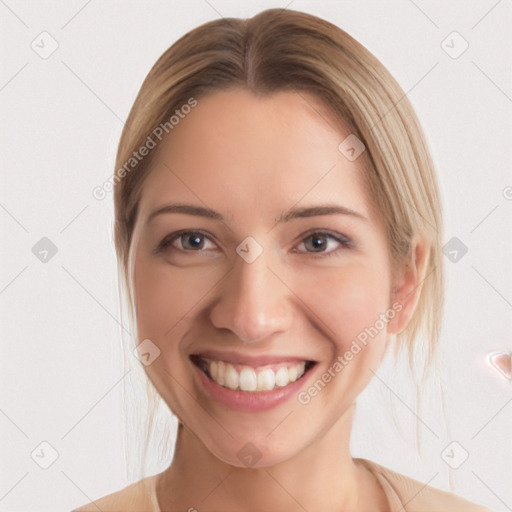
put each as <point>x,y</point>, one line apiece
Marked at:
<point>255,455</point>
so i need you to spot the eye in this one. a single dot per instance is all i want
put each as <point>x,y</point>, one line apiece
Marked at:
<point>190,241</point>
<point>322,243</point>
<point>325,243</point>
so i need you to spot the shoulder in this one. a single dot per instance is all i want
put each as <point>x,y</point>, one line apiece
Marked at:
<point>136,497</point>
<point>415,496</point>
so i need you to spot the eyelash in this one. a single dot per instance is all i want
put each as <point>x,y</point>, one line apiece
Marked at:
<point>345,242</point>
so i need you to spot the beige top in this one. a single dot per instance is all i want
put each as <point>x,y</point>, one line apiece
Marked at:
<point>403,493</point>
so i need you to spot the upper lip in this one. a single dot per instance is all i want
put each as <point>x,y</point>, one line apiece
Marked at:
<point>248,360</point>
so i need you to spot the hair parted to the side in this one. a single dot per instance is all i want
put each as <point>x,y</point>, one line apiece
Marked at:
<point>286,50</point>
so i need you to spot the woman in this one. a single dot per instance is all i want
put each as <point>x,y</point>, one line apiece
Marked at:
<point>275,202</point>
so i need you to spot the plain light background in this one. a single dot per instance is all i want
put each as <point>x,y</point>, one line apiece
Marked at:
<point>62,116</point>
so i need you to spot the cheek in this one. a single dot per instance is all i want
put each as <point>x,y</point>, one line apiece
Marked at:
<point>348,300</point>
<point>351,303</point>
<point>164,296</point>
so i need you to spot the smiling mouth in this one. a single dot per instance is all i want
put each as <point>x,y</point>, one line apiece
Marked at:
<point>238,377</point>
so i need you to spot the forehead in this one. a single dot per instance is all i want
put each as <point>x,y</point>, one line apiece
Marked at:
<point>241,154</point>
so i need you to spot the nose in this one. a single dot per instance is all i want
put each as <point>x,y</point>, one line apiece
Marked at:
<point>253,302</point>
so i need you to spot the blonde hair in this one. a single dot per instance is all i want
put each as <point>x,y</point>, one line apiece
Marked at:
<point>286,50</point>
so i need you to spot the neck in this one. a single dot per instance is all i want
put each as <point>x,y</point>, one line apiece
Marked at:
<point>323,476</point>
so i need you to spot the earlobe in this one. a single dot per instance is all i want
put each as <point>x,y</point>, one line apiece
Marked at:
<point>408,286</point>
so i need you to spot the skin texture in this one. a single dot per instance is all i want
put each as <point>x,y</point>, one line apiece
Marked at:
<point>250,159</point>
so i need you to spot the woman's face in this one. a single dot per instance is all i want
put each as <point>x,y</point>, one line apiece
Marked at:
<point>284,270</point>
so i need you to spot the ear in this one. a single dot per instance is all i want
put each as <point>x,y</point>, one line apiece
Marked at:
<point>408,285</point>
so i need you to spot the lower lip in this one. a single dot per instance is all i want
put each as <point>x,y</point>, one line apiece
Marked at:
<point>250,400</point>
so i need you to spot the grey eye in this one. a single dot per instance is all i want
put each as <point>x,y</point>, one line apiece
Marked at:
<point>318,242</point>
<point>192,241</point>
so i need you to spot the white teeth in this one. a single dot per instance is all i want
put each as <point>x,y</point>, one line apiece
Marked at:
<point>266,380</point>
<point>293,373</point>
<point>282,378</point>
<point>231,377</point>
<point>214,369</point>
<point>220,373</point>
<point>248,378</point>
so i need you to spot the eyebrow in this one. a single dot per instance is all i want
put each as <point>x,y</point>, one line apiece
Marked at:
<point>293,213</point>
